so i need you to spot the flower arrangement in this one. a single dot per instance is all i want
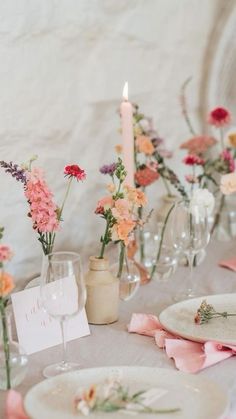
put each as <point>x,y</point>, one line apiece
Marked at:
<point>43,211</point>
<point>150,155</point>
<point>6,286</point>
<point>205,170</point>
<point>119,210</point>
<point>206,312</point>
<point>112,396</point>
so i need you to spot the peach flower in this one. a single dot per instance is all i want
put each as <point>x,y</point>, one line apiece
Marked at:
<point>111,187</point>
<point>119,148</point>
<point>228,183</point>
<point>121,209</point>
<point>122,230</point>
<point>6,284</point>
<point>136,196</point>
<point>144,145</point>
<point>230,138</point>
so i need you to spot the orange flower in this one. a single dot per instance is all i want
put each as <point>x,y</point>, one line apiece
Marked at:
<point>122,229</point>
<point>111,187</point>
<point>6,284</point>
<point>144,145</point>
<point>119,149</point>
<point>135,195</point>
<point>141,198</point>
<point>106,202</point>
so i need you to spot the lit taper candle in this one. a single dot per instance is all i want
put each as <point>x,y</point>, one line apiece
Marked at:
<point>126,112</point>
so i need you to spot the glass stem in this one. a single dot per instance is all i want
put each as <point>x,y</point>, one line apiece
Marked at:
<point>63,334</point>
<point>191,282</point>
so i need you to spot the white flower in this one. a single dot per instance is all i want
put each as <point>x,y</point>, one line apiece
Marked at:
<point>228,183</point>
<point>83,407</point>
<point>203,198</point>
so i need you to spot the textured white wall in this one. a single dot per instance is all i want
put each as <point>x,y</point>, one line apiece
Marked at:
<point>63,64</point>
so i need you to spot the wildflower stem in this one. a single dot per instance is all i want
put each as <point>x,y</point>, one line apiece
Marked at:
<point>5,343</point>
<point>121,259</point>
<point>166,186</point>
<point>65,198</point>
<point>104,240</point>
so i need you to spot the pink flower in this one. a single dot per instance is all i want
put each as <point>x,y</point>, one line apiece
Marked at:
<point>43,211</point>
<point>227,157</point>
<point>75,171</point>
<point>192,159</point>
<point>5,253</point>
<point>104,204</point>
<point>146,176</point>
<point>191,179</point>
<point>198,145</point>
<point>121,209</point>
<point>219,117</point>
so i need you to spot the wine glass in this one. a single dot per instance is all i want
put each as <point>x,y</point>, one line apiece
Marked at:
<point>63,295</point>
<point>190,235</point>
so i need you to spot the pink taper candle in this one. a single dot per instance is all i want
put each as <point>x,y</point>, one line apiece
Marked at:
<point>126,112</point>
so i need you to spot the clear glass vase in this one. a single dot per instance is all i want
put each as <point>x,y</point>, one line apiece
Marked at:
<point>129,280</point>
<point>13,361</point>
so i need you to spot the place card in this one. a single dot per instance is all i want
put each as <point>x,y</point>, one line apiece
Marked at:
<point>36,330</point>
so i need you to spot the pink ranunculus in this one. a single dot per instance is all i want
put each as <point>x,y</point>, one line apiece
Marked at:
<point>199,144</point>
<point>5,253</point>
<point>219,117</point>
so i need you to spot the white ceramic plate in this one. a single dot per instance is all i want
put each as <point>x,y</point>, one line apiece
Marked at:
<point>179,319</point>
<point>197,397</point>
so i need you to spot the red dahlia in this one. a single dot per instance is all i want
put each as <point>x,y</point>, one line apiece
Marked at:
<point>146,176</point>
<point>75,171</point>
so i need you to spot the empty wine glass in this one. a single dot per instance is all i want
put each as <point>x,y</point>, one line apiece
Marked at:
<point>63,295</point>
<point>190,234</point>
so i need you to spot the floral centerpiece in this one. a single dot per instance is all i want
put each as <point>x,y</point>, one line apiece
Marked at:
<point>205,169</point>
<point>120,210</point>
<point>45,214</point>
<point>150,157</point>
<point>6,286</point>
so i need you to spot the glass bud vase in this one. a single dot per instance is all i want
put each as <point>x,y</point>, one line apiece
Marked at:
<point>129,280</point>
<point>13,361</point>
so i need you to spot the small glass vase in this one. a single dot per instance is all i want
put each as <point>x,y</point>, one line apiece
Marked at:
<point>13,361</point>
<point>129,280</point>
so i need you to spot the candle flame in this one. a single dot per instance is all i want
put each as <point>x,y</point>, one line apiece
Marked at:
<point>125,91</point>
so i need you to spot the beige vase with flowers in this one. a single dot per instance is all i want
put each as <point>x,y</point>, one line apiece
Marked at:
<point>102,305</point>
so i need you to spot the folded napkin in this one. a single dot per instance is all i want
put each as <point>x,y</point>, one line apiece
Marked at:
<point>228,263</point>
<point>14,406</point>
<point>188,356</point>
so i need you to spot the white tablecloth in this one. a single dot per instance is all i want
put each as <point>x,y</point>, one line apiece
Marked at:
<point>113,345</point>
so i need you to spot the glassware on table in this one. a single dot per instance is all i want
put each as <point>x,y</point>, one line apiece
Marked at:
<point>63,295</point>
<point>167,263</point>
<point>190,234</point>
<point>13,360</point>
<point>129,281</point>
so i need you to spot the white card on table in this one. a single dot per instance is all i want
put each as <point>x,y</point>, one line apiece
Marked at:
<point>36,330</point>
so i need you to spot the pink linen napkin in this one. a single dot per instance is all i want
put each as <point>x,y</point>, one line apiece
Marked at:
<point>188,356</point>
<point>14,406</point>
<point>228,263</point>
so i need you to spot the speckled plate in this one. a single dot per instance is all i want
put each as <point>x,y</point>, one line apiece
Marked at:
<point>179,320</point>
<point>196,397</point>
